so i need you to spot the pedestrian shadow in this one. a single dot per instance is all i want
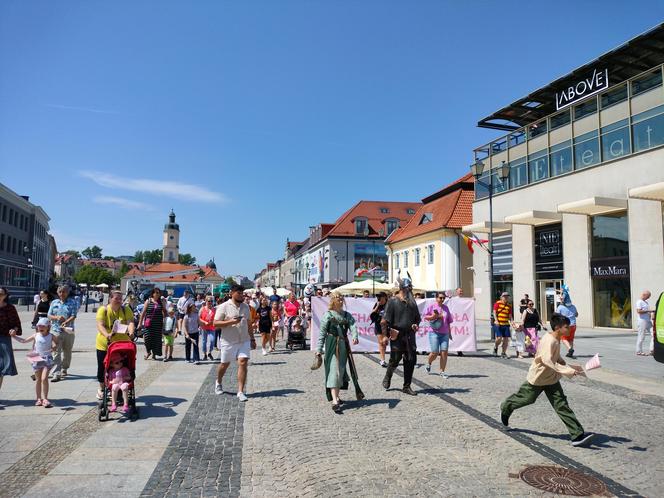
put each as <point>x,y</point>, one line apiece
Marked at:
<point>277,393</point>
<point>155,406</point>
<point>255,364</point>
<point>355,404</point>
<point>76,376</point>
<point>445,390</point>
<point>598,442</point>
<point>467,376</point>
<point>66,404</point>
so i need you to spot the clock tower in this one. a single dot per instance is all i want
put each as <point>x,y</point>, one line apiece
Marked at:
<point>171,240</point>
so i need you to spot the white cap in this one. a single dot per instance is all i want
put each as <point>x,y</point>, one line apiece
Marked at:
<point>43,322</point>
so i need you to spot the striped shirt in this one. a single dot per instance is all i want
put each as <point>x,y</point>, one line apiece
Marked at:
<point>503,313</point>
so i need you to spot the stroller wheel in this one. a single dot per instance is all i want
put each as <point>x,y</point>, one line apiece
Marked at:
<point>134,413</point>
<point>103,413</point>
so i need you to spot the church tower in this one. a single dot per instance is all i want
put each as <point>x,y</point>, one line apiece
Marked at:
<point>171,240</point>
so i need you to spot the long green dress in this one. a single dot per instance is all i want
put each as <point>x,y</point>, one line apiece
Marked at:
<point>334,325</point>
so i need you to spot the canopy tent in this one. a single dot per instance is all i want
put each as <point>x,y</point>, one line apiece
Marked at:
<point>102,286</point>
<point>364,285</point>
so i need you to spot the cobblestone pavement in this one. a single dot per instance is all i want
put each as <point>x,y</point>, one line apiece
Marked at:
<point>204,458</point>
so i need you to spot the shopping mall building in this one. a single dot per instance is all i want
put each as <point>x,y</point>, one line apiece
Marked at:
<point>578,186</point>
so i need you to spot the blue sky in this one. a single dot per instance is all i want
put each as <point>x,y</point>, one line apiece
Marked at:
<point>256,119</point>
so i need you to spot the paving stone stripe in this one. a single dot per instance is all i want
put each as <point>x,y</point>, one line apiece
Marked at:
<point>30,469</point>
<point>558,458</point>
<point>204,457</point>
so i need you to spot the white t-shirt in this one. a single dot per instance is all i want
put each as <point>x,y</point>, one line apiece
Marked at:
<point>183,304</point>
<point>233,334</point>
<point>643,305</point>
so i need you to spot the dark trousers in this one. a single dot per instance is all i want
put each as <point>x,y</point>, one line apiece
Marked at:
<point>528,394</point>
<point>189,343</point>
<point>409,362</point>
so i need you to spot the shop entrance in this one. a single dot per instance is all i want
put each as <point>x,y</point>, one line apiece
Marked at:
<point>547,290</point>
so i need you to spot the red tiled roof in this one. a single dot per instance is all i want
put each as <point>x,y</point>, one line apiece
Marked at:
<point>450,207</point>
<point>345,225</point>
<point>153,270</point>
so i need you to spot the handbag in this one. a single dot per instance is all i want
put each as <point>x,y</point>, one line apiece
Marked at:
<point>147,321</point>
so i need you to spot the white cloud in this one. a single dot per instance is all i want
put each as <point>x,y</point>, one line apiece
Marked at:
<point>182,191</point>
<point>122,202</point>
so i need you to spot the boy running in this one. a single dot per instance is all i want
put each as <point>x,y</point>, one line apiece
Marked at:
<point>544,375</point>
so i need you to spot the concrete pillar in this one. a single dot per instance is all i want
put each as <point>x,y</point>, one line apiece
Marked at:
<point>450,261</point>
<point>523,263</point>
<point>646,251</point>
<point>576,261</point>
<point>481,290</point>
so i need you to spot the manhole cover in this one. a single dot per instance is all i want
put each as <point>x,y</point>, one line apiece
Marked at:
<point>562,481</point>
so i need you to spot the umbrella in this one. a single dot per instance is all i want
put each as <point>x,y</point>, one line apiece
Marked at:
<point>103,286</point>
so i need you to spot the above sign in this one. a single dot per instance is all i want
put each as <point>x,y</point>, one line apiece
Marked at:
<point>605,268</point>
<point>597,82</point>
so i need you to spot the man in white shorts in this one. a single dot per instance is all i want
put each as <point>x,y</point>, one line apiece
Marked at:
<point>236,343</point>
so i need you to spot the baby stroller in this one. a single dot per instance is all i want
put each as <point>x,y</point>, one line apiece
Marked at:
<point>126,349</point>
<point>297,332</point>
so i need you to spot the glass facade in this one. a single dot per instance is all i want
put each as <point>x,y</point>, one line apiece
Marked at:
<point>609,268</point>
<point>614,140</point>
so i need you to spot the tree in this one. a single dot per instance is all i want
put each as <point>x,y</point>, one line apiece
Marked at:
<point>186,259</point>
<point>230,281</point>
<point>71,252</point>
<point>124,268</point>
<point>93,252</point>
<point>148,257</point>
<point>94,276</point>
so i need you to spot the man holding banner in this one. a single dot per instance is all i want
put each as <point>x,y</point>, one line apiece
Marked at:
<point>400,322</point>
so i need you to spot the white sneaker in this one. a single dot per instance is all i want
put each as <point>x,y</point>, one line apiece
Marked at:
<point>217,388</point>
<point>427,367</point>
<point>241,396</point>
<point>264,352</point>
<point>444,375</point>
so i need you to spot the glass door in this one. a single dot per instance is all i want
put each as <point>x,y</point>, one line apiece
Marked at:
<point>548,289</point>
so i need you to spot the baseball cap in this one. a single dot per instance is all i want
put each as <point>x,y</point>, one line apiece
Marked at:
<point>43,322</point>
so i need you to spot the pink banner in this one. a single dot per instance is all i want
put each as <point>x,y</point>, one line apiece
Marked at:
<point>463,327</point>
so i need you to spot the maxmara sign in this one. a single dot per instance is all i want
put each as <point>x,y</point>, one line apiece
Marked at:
<point>596,82</point>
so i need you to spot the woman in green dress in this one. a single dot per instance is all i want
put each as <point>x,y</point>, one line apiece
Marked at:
<point>334,327</point>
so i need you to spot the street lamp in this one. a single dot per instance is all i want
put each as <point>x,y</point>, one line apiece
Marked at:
<point>503,173</point>
<point>30,266</point>
<point>336,258</point>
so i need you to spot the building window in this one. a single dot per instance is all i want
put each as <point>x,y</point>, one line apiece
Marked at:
<point>430,254</point>
<point>405,259</point>
<point>560,119</point>
<point>14,246</point>
<point>517,138</point>
<point>384,210</point>
<point>410,211</point>
<point>396,261</point>
<point>4,213</point>
<point>561,158</point>
<point>2,242</point>
<point>426,218</point>
<point>518,173</point>
<point>11,216</point>
<point>417,257</point>
<point>538,166</point>
<point>613,97</point>
<point>647,82</point>
<point>648,129</point>
<point>609,267</point>
<point>586,150</point>
<point>360,226</point>
<point>537,129</point>
<point>585,109</point>
<point>391,226</point>
<point>615,140</point>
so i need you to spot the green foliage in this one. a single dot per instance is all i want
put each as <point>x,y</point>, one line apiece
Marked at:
<point>71,252</point>
<point>124,268</point>
<point>94,276</point>
<point>148,257</point>
<point>229,281</point>
<point>93,252</point>
<point>186,259</point>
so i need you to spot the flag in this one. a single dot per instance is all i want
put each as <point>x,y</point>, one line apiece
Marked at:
<point>473,239</point>
<point>592,363</point>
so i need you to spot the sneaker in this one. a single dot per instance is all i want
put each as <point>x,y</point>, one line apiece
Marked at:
<point>165,359</point>
<point>56,378</point>
<point>217,388</point>
<point>197,363</point>
<point>504,356</point>
<point>383,364</point>
<point>386,382</point>
<point>583,439</point>
<point>210,357</point>
<point>264,352</point>
<point>427,367</point>
<point>409,391</point>
<point>444,375</point>
<point>503,418</point>
<point>495,351</point>
<point>64,372</point>
<point>241,396</point>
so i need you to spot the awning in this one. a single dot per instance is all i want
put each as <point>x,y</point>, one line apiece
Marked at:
<point>593,206</point>
<point>534,218</point>
<point>654,192</point>
<point>485,227</point>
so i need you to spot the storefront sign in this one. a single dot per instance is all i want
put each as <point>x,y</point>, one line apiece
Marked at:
<point>609,268</point>
<point>549,252</point>
<point>370,262</point>
<point>598,81</point>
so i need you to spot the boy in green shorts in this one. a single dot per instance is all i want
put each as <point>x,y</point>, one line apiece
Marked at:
<point>169,337</point>
<point>544,375</point>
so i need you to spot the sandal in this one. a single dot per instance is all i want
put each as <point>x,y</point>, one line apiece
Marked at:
<point>38,403</point>
<point>147,356</point>
<point>46,403</point>
<point>336,408</point>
